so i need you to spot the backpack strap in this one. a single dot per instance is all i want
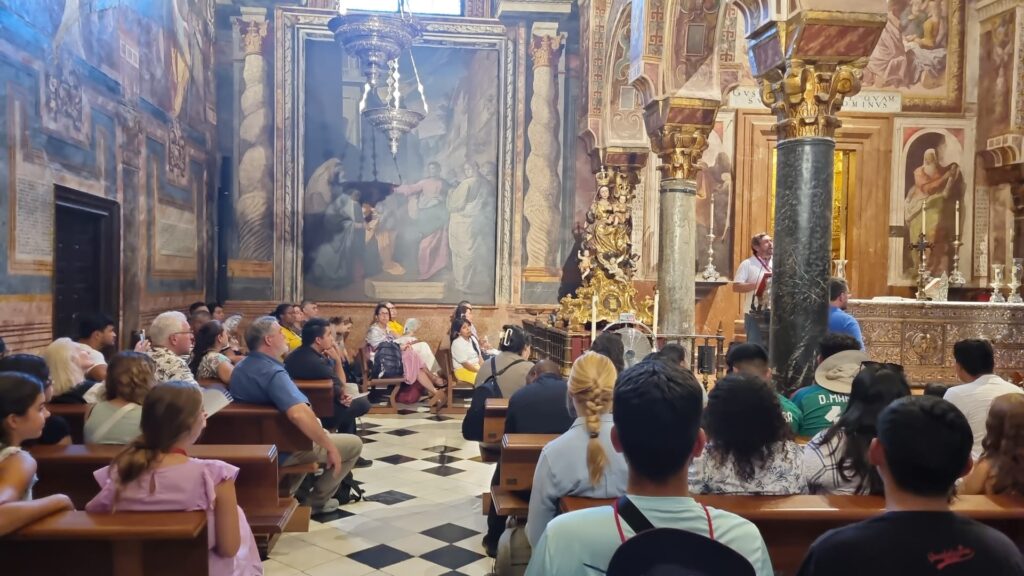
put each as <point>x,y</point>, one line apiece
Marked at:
<point>511,364</point>
<point>635,519</point>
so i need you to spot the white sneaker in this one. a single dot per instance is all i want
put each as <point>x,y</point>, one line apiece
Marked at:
<point>331,505</point>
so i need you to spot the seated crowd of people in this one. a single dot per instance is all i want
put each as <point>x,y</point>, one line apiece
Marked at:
<point>649,436</point>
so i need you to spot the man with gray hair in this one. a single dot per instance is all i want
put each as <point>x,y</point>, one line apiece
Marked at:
<point>261,379</point>
<point>171,339</point>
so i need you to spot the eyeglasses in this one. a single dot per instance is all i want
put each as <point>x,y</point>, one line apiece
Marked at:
<point>872,365</point>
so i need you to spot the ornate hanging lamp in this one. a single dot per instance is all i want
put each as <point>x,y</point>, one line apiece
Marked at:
<point>378,40</point>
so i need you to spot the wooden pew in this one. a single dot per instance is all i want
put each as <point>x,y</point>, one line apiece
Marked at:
<point>237,423</point>
<point>319,392</point>
<point>495,411</point>
<point>69,470</point>
<point>790,524</point>
<point>519,455</point>
<point>124,544</point>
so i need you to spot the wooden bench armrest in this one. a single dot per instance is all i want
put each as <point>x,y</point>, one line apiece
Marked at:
<point>509,503</point>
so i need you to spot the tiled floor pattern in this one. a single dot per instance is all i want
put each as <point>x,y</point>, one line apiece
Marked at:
<point>422,515</point>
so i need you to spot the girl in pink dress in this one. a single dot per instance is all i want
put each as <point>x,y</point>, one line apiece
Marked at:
<point>154,473</point>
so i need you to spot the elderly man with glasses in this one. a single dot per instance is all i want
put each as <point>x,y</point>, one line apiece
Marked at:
<point>171,340</point>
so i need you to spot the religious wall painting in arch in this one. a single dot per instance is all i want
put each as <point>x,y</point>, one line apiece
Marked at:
<point>696,22</point>
<point>996,61</point>
<point>921,54</point>
<point>426,231</point>
<point>715,185</point>
<point>932,171</point>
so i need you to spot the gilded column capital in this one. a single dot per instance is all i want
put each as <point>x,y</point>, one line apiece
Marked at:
<point>678,129</point>
<point>251,36</point>
<point>806,97</point>
<point>546,50</point>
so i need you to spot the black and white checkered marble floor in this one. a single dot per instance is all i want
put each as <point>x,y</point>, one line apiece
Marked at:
<point>422,515</point>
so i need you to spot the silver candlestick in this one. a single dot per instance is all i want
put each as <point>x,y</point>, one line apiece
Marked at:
<point>956,278</point>
<point>710,273</point>
<point>996,283</point>
<point>1015,277</point>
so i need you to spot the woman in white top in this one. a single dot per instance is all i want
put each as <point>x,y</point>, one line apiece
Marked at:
<point>22,417</point>
<point>208,361</point>
<point>117,419</point>
<point>749,449</point>
<point>835,461</point>
<point>466,355</point>
<point>581,462</point>
<point>68,362</point>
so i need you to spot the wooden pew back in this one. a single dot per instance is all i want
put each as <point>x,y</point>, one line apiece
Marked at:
<point>237,423</point>
<point>495,412</point>
<point>69,470</point>
<point>124,544</point>
<point>790,524</point>
<point>319,392</point>
<point>519,455</point>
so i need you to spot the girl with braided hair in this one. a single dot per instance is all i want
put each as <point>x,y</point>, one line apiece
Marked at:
<point>581,462</point>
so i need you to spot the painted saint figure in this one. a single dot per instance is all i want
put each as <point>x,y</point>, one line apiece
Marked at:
<point>426,233</point>
<point>930,202</point>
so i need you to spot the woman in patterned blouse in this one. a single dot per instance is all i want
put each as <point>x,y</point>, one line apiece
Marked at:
<point>750,448</point>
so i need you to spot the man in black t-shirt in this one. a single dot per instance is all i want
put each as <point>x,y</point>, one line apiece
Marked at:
<point>923,446</point>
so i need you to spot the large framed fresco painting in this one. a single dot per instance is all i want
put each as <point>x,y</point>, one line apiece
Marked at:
<point>933,171</point>
<point>423,226</point>
<point>921,54</point>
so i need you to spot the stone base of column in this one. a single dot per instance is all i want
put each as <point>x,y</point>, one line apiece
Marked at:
<point>677,252</point>
<point>803,247</point>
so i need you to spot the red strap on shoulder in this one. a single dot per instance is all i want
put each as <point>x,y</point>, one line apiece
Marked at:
<point>711,527</point>
<point>618,523</point>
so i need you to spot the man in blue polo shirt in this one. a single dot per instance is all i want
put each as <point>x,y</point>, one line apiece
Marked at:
<point>839,321</point>
<point>261,379</point>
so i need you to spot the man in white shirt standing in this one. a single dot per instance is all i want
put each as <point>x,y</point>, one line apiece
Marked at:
<point>752,279</point>
<point>975,364</point>
<point>652,400</point>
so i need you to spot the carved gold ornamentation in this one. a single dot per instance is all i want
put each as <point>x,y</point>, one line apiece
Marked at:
<point>252,35</point>
<point>678,129</point>
<point>607,261</point>
<point>545,50</point>
<point>808,97</point>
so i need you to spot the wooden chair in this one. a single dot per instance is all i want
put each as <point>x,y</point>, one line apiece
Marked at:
<point>369,383</point>
<point>122,544</point>
<point>447,366</point>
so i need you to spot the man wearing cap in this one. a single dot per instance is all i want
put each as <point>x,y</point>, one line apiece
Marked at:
<point>822,403</point>
<point>749,358</point>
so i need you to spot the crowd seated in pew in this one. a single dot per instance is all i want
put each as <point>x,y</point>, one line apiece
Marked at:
<point>402,360</point>
<point>121,544</point>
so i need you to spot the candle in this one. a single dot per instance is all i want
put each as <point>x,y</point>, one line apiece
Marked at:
<point>711,225</point>
<point>957,227</point>
<point>924,218</point>
<point>593,318</point>
<point>655,328</point>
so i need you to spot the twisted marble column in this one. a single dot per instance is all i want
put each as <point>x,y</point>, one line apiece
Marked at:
<point>541,203</point>
<point>254,205</point>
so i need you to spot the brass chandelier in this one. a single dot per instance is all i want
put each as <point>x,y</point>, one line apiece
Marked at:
<point>378,40</point>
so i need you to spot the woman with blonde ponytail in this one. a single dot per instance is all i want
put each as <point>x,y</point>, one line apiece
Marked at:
<point>155,473</point>
<point>581,462</point>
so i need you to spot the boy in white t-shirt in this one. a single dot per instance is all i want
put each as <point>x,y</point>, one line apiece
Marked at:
<point>95,332</point>
<point>653,400</point>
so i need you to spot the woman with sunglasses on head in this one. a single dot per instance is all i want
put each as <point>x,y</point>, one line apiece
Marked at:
<point>836,460</point>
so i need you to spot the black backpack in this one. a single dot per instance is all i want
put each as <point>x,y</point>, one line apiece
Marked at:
<point>671,551</point>
<point>387,361</point>
<point>473,423</point>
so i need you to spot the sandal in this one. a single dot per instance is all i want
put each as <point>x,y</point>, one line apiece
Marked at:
<point>439,402</point>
